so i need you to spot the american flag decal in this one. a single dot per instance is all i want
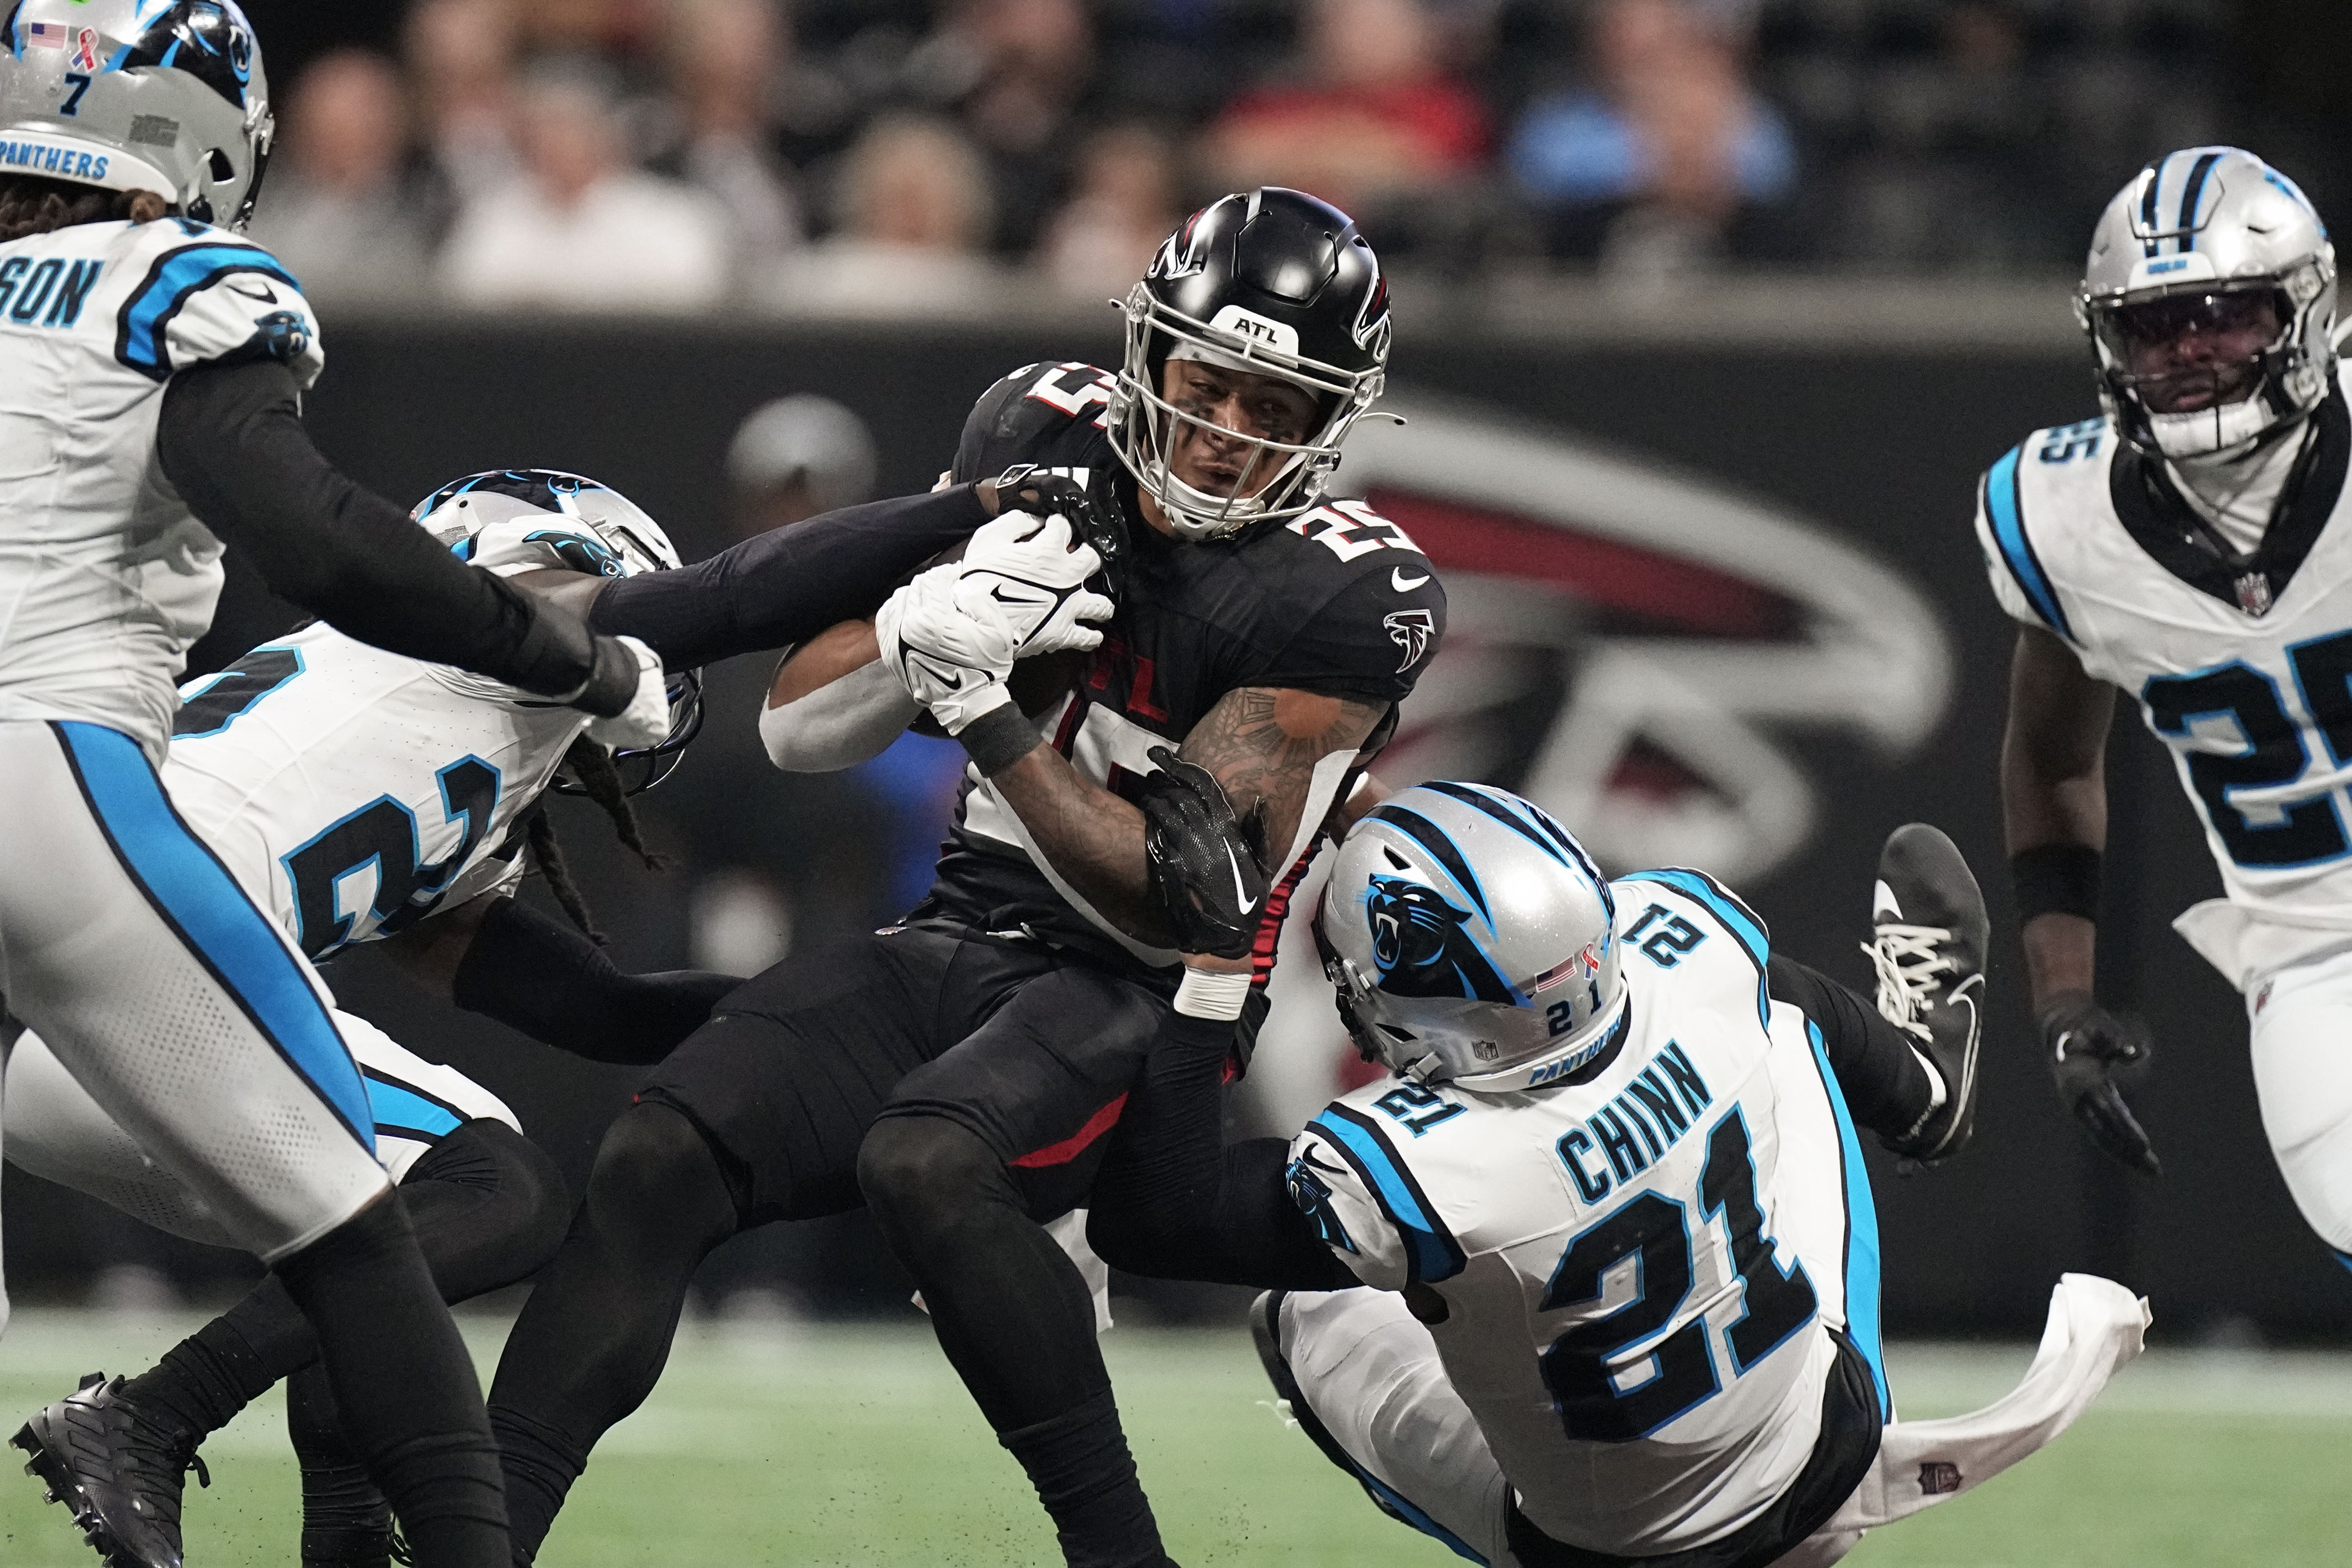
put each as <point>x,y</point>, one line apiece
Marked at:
<point>45,35</point>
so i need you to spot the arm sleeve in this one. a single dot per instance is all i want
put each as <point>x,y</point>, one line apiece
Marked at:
<point>788,584</point>
<point>1370,642</point>
<point>541,977</point>
<point>1884,1085</point>
<point>230,438</point>
<point>841,724</point>
<point>1174,1202</point>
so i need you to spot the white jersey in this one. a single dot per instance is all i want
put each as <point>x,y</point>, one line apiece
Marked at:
<point>105,576</point>
<point>2243,667</point>
<point>351,792</point>
<point>1640,1272</point>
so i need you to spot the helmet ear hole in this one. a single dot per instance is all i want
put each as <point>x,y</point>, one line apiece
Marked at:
<point>217,164</point>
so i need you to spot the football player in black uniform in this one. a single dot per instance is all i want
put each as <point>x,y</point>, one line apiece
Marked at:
<point>962,1073</point>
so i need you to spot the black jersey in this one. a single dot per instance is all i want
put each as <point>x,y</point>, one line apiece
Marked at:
<point>1337,601</point>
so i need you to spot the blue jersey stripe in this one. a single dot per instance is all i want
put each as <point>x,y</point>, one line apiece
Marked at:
<point>1860,1233</point>
<point>139,341</point>
<point>402,1112</point>
<point>189,888</point>
<point>1430,1249</point>
<point>2002,505</point>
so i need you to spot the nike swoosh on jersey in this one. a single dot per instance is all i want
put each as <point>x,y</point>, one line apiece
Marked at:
<point>261,291</point>
<point>1398,580</point>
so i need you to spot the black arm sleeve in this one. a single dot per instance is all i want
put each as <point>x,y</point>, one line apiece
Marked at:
<point>1174,1202</point>
<point>230,438</point>
<point>1886,1087</point>
<point>788,584</point>
<point>540,977</point>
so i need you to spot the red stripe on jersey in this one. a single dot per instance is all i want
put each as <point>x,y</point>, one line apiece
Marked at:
<point>1071,1147</point>
<point>1269,929</point>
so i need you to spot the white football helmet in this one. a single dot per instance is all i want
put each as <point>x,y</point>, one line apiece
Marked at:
<point>1471,940</point>
<point>2203,239</point>
<point>521,519</point>
<point>165,96</point>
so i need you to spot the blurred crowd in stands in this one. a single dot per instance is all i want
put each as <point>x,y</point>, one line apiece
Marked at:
<point>865,156</point>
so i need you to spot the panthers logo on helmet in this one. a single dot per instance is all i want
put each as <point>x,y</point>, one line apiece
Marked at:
<point>1421,948</point>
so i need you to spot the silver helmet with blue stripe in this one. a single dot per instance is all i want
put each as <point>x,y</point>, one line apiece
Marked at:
<point>1471,940</point>
<point>2210,300</point>
<point>165,96</point>
<point>510,520</point>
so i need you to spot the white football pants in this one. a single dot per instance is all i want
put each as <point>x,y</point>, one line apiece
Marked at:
<point>2300,1018</point>
<point>1371,1374</point>
<point>181,1008</point>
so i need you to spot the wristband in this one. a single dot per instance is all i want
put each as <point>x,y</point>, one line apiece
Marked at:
<point>2056,879</point>
<point>1218,998</point>
<point>999,738</point>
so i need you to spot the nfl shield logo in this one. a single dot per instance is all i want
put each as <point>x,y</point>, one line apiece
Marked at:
<point>1937,1477</point>
<point>2254,593</point>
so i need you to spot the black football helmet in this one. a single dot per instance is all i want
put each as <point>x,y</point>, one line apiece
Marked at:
<point>1271,281</point>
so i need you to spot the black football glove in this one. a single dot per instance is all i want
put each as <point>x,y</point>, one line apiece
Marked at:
<point>2094,1054</point>
<point>1096,518</point>
<point>1203,863</point>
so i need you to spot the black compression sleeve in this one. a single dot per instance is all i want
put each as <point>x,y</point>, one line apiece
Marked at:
<point>1886,1086</point>
<point>1174,1202</point>
<point>788,584</point>
<point>540,977</point>
<point>230,438</point>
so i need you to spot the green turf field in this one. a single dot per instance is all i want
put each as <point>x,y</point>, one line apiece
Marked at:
<point>780,1445</point>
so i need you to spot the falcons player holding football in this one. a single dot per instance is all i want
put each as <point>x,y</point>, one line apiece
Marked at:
<point>961,1072</point>
<point>2188,548</point>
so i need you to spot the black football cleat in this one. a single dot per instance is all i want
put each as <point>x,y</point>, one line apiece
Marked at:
<point>118,1470</point>
<point>1928,946</point>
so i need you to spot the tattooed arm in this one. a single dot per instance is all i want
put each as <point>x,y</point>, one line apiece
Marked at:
<point>1278,752</point>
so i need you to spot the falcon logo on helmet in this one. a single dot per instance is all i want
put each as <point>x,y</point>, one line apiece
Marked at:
<point>1270,282</point>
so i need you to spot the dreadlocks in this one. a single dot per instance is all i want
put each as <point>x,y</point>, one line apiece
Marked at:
<point>35,206</point>
<point>592,766</point>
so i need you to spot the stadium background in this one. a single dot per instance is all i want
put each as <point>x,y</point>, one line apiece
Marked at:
<point>1835,292</point>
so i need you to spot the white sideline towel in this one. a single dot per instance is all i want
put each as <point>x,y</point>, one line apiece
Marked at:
<point>2094,1327</point>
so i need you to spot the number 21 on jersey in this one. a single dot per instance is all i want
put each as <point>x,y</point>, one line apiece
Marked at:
<point>1615,1380</point>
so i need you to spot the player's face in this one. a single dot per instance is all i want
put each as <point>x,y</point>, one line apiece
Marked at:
<point>1210,450</point>
<point>2194,352</point>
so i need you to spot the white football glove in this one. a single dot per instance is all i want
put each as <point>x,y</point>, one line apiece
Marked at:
<point>646,721</point>
<point>1021,568</point>
<point>951,661</point>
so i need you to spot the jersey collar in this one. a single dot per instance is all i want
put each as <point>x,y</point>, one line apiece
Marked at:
<point>2162,523</point>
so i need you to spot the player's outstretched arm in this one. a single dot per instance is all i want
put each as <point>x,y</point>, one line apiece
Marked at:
<point>230,438</point>
<point>498,956</point>
<point>789,584</point>
<point>2054,809</point>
